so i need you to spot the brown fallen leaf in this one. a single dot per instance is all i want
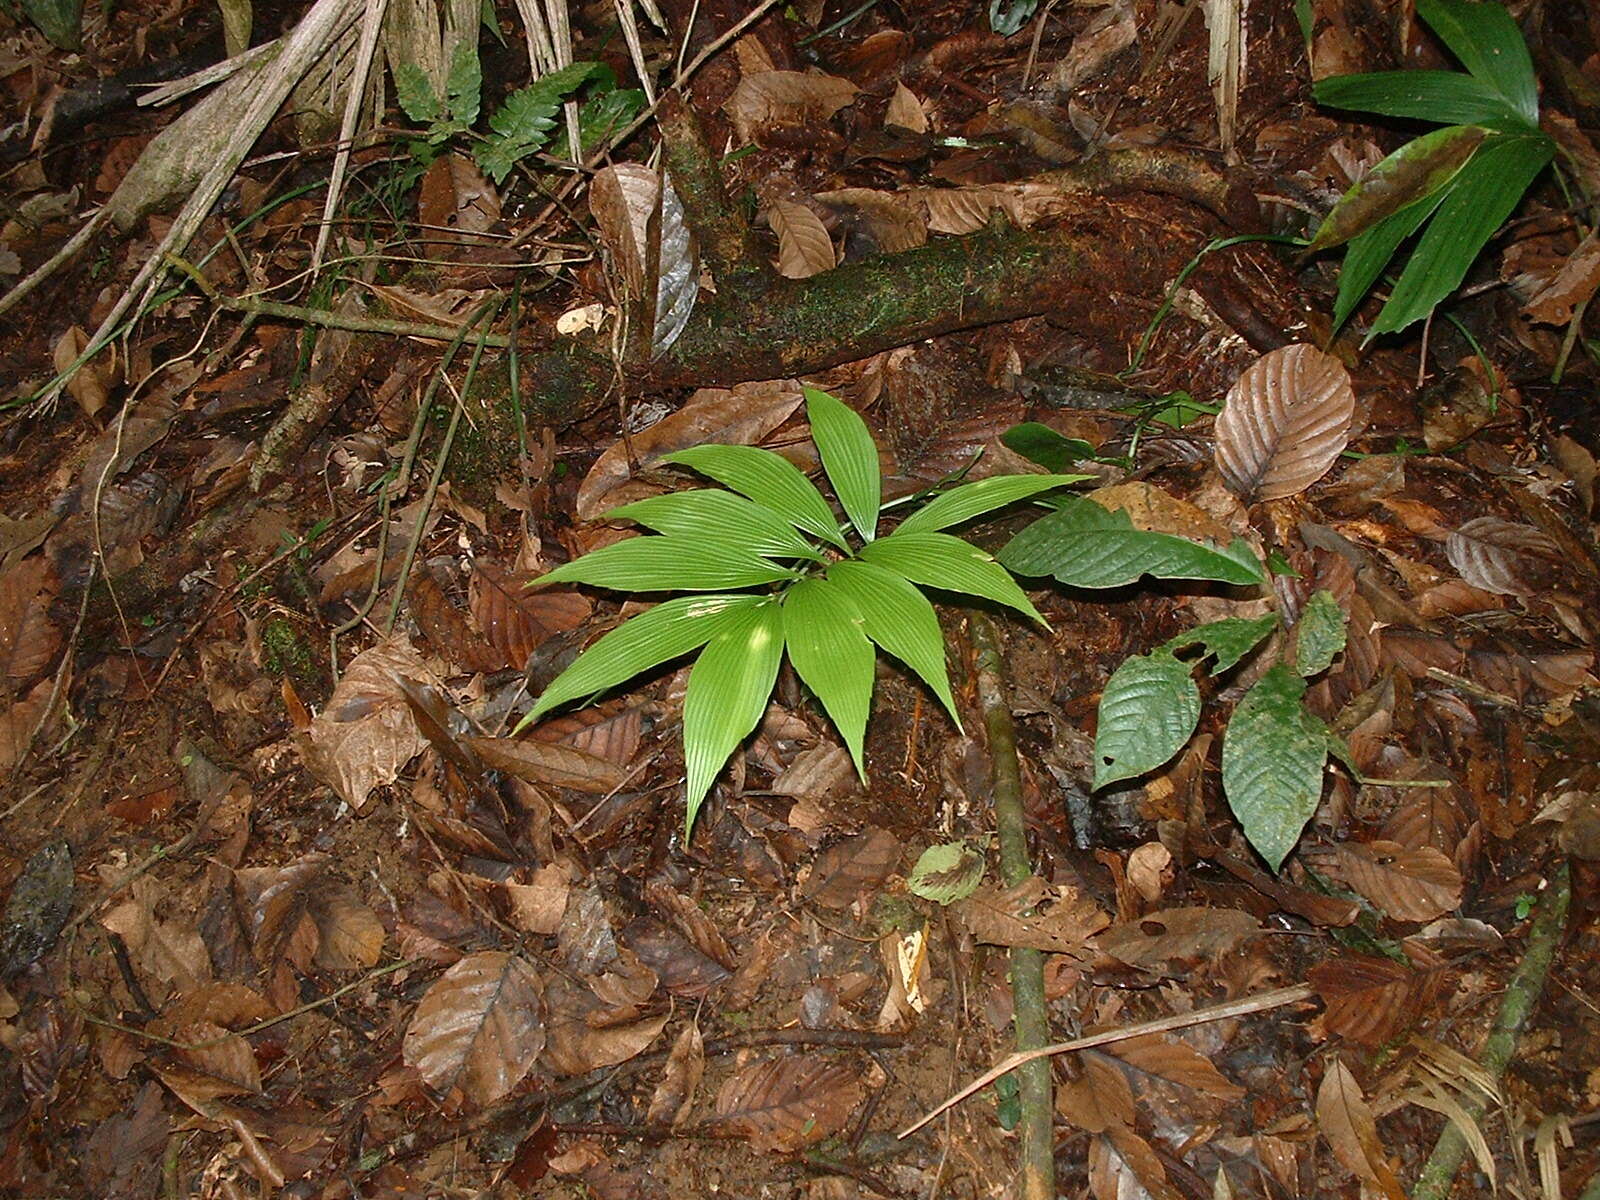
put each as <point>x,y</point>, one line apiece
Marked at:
<point>673,1098</point>
<point>1178,1062</point>
<point>586,1034</point>
<point>367,732</point>
<point>1372,1000</point>
<point>351,935</point>
<point>1175,934</point>
<point>517,621</point>
<point>1572,285</point>
<point>1501,556</point>
<point>788,1102</point>
<point>1032,914</point>
<point>1346,1121</point>
<point>848,868</point>
<point>549,762</point>
<point>479,1028</point>
<point>805,247</point>
<point>446,627</point>
<point>1098,1099</point>
<point>168,953</point>
<point>274,904</point>
<point>609,730</point>
<point>1409,883</point>
<point>771,99</point>
<point>28,638</point>
<point>1284,423</point>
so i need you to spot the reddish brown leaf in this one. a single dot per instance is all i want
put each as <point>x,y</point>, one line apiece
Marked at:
<point>611,731</point>
<point>1346,1120</point>
<point>479,1028</point>
<point>211,1063</point>
<point>673,1099</point>
<point>587,1034</point>
<point>446,628</point>
<point>1099,1099</point>
<point>789,1102</point>
<point>28,638</point>
<point>1498,556</point>
<point>1575,283</point>
<point>769,99</point>
<point>516,621</point>
<point>546,762</point>
<point>1372,1000</point>
<point>1031,914</point>
<point>1176,1061</point>
<point>1174,934</point>
<point>169,953</point>
<point>367,731</point>
<point>851,867</point>
<point>1284,423</point>
<point>1409,884</point>
<point>350,934</point>
<point>274,904</point>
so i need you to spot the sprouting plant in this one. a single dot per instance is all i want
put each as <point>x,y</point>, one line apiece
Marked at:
<point>1275,750</point>
<point>772,572</point>
<point>524,123</point>
<point>1461,181</point>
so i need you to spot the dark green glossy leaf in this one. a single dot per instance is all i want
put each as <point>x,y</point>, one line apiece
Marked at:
<point>1487,41</point>
<point>768,479</point>
<point>1370,251</point>
<point>1084,545</point>
<point>61,21</point>
<point>1041,444</point>
<point>1230,639</point>
<point>669,564</point>
<point>721,514</point>
<point>1273,757</point>
<point>825,633</point>
<point>1147,712</point>
<point>941,561</point>
<point>850,457</point>
<point>1438,97</point>
<point>901,620</point>
<point>1416,170</point>
<point>971,500</point>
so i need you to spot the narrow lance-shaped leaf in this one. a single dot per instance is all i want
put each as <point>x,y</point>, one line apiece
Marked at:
<point>941,561</point>
<point>727,692</point>
<point>1418,169</point>
<point>1084,545</point>
<point>1272,762</point>
<point>669,564</point>
<point>1147,712</point>
<point>660,634</point>
<point>768,479</point>
<point>1482,196</point>
<point>850,458</point>
<point>1486,39</point>
<point>823,630</point>
<point>981,496</point>
<point>1369,252</point>
<point>901,620</point>
<point>1439,97</point>
<point>707,510</point>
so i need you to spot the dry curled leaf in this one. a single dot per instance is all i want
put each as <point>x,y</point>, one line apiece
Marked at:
<point>642,226</point>
<point>367,732</point>
<point>789,1102</point>
<point>479,1028</point>
<point>1284,423</point>
<point>1496,555</point>
<point>805,247</point>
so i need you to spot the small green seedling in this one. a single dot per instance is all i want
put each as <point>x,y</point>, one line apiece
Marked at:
<point>774,572</point>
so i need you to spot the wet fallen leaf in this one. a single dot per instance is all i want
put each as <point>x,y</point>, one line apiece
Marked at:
<point>537,906</point>
<point>1031,914</point>
<point>1372,1000</point>
<point>1346,1121</point>
<point>905,110</point>
<point>1284,423</point>
<point>769,99</point>
<point>1178,1062</point>
<point>789,1102</point>
<point>1496,555</point>
<point>367,733</point>
<point>549,762</point>
<point>479,1028</point>
<point>516,621</point>
<point>587,1034</point>
<point>1175,934</point>
<point>1410,884</point>
<point>275,903</point>
<point>350,934</point>
<point>851,867</point>
<point>673,1098</point>
<point>28,638</point>
<point>446,628</point>
<point>1572,285</point>
<point>38,907</point>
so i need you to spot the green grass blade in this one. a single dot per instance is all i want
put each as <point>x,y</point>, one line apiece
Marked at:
<point>660,634</point>
<point>1482,196</point>
<point>901,620</point>
<point>828,646</point>
<point>722,514</point>
<point>728,689</point>
<point>1487,41</point>
<point>669,563</point>
<point>850,457</point>
<point>1369,252</point>
<point>1439,97</point>
<point>768,479</point>
<point>941,561</point>
<point>974,499</point>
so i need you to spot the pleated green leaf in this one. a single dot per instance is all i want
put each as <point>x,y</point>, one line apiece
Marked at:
<point>667,631</point>
<point>1273,757</point>
<point>1439,97</point>
<point>721,514</point>
<point>1319,634</point>
<point>1230,639</point>
<point>1482,195</point>
<point>974,499</point>
<point>824,631</point>
<point>1147,712</point>
<point>941,561</point>
<point>1486,39</point>
<point>1415,171</point>
<point>669,563</point>
<point>849,456</point>
<point>768,479</point>
<point>1369,252</point>
<point>728,689</point>
<point>899,619</point>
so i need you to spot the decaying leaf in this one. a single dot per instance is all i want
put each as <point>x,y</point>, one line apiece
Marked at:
<point>788,1102</point>
<point>367,732</point>
<point>804,245</point>
<point>1178,1062</point>
<point>516,621</point>
<point>1058,921</point>
<point>168,954</point>
<point>274,904</point>
<point>673,1099</point>
<point>642,226</point>
<point>905,110</point>
<point>1410,884</point>
<point>1575,283</point>
<point>891,221</point>
<point>479,1028</point>
<point>38,907</point>
<point>851,867</point>
<point>1175,934</point>
<point>1284,423</point>
<point>1500,556</point>
<point>1346,1120</point>
<point>586,1033</point>
<point>770,99</point>
<point>1372,1000</point>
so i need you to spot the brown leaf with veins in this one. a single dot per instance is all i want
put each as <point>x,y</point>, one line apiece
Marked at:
<point>549,762</point>
<point>28,638</point>
<point>1284,423</point>
<point>851,867</point>
<point>446,627</point>
<point>788,1102</point>
<point>516,621</point>
<point>1410,884</point>
<point>805,247</point>
<point>1573,284</point>
<point>1495,555</point>
<point>1372,1000</point>
<point>479,1028</point>
<point>1174,934</point>
<point>274,904</point>
<point>673,1098</point>
<point>1346,1121</point>
<point>351,936</point>
<point>587,1034</point>
<point>1176,1061</point>
<point>771,99</point>
<point>367,733</point>
<point>167,952</point>
<point>611,731</point>
<point>1032,914</point>
<point>1098,1099</point>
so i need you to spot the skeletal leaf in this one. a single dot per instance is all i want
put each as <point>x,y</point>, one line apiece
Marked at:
<point>1284,423</point>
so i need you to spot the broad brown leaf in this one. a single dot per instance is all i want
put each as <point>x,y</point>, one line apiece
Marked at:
<point>1495,555</point>
<point>1031,914</point>
<point>611,731</point>
<point>1174,934</point>
<point>1284,423</point>
<point>516,621</point>
<point>805,247</point>
<point>28,638</point>
<point>547,762</point>
<point>367,732</point>
<point>740,416</point>
<point>446,628</point>
<point>1176,1061</point>
<point>351,935</point>
<point>848,868</point>
<point>1098,1099</point>
<point>769,99</point>
<point>274,903</point>
<point>1410,884</point>
<point>214,1063</point>
<point>170,953</point>
<point>892,222</point>
<point>586,1034</point>
<point>789,1102</point>
<point>673,1099</point>
<point>1573,284</point>
<point>1346,1120</point>
<point>479,1028</point>
<point>1372,1000</point>
<point>19,722</point>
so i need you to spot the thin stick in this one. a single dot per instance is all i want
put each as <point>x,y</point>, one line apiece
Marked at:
<point>1200,1016</point>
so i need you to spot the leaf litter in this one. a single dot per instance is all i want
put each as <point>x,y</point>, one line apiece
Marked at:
<point>390,946</point>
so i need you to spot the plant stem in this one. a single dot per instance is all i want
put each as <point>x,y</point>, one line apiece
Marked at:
<point>1516,1007</point>
<point>1027,964</point>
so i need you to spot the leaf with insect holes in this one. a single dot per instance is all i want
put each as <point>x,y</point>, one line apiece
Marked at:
<point>667,631</point>
<point>1273,757</point>
<point>1148,710</point>
<point>1084,545</point>
<point>690,514</point>
<point>824,632</point>
<point>850,457</point>
<point>940,561</point>
<point>1285,422</point>
<point>1230,639</point>
<point>1417,170</point>
<point>982,496</point>
<point>670,563</point>
<point>899,618</point>
<point>768,479</point>
<point>727,692</point>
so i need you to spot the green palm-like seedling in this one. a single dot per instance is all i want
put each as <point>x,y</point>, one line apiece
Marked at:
<point>828,594</point>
